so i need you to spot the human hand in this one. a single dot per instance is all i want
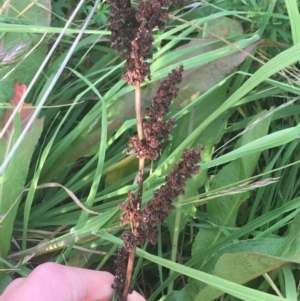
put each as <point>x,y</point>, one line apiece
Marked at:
<point>55,282</point>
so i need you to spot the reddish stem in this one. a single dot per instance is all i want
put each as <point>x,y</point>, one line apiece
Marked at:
<point>140,180</point>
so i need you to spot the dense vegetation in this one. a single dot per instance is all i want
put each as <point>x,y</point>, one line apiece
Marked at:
<point>234,235</point>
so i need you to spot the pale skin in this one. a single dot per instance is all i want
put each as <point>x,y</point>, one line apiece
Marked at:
<point>54,282</point>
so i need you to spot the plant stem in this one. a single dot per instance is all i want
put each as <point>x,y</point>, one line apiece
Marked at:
<point>138,107</point>
<point>139,126</point>
<point>129,273</point>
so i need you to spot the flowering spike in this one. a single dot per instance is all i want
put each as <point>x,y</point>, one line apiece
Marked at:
<point>143,222</point>
<point>155,129</point>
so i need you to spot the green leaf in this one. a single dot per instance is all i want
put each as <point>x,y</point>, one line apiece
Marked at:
<point>239,291</point>
<point>245,260</point>
<point>223,27</point>
<point>33,12</point>
<point>237,263</point>
<point>174,296</point>
<point>195,82</point>
<point>22,53</point>
<point>290,249</point>
<point>223,210</point>
<point>13,185</point>
<point>239,268</point>
<point>277,63</point>
<point>208,138</point>
<point>4,282</point>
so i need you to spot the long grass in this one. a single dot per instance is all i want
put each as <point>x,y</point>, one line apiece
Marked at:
<point>247,119</point>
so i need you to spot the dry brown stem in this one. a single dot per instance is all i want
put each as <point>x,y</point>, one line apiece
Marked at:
<point>140,181</point>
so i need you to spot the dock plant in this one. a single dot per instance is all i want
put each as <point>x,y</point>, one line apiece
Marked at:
<point>132,36</point>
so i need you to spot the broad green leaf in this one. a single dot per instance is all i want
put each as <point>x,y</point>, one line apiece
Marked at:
<point>274,65</point>
<point>174,296</point>
<point>21,56</point>
<point>194,84</point>
<point>208,138</point>
<point>222,211</point>
<point>239,268</point>
<point>121,169</point>
<point>239,291</point>
<point>242,261</point>
<point>223,27</point>
<point>245,260</point>
<point>15,175</point>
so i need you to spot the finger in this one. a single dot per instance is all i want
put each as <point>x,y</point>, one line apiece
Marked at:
<point>135,297</point>
<point>51,281</point>
<point>14,285</point>
<point>91,285</point>
<point>98,285</point>
<point>73,284</point>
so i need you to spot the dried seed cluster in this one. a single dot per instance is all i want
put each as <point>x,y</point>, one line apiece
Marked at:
<point>121,264</point>
<point>155,129</point>
<point>144,222</point>
<point>131,34</point>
